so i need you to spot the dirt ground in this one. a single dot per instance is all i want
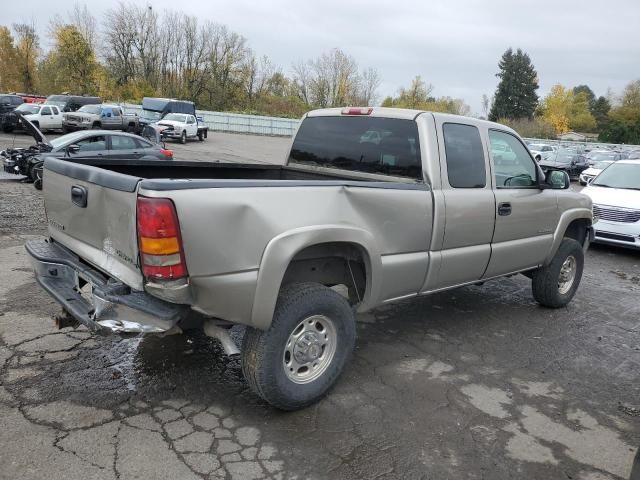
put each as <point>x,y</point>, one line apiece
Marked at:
<point>476,383</point>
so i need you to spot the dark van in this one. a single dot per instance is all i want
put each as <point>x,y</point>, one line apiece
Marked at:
<point>155,109</point>
<point>71,103</point>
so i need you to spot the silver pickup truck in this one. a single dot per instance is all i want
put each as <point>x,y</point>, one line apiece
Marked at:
<point>373,205</point>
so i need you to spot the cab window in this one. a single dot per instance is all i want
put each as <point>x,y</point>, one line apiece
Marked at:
<point>465,156</point>
<point>45,111</point>
<point>515,170</point>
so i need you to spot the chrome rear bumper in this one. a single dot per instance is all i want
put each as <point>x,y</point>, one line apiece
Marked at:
<point>97,301</point>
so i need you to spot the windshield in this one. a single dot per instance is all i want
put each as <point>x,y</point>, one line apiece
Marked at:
<point>28,108</point>
<point>65,140</point>
<point>601,165</point>
<point>92,109</point>
<point>347,142</point>
<point>620,175</point>
<point>58,100</point>
<point>564,157</point>
<point>151,115</point>
<point>176,117</point>
<point>597,156</point>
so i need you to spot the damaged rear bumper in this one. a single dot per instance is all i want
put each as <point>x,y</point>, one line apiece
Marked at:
<point>99,302</point>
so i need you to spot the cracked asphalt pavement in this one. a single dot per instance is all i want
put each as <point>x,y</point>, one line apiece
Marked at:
<point>477,383</point>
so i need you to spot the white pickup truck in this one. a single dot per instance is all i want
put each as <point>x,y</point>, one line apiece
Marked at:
<point>44,117</point>
<point>352,221</point>
<point>180,126</point>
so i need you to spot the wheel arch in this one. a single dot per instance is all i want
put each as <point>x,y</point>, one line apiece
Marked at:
<point>309,242</point>
<point>574,223</point>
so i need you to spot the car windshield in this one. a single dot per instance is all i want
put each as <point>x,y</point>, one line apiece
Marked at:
<point>151,115</point>
<point>58,100</point>
<point>28,108</point>
<point>65,140</point>
<point>597,156</point>
<point>564,157</point>
<point>536,146</point>
<point>620,175</point>
<point>601,165</point>
<point>91,109</point>
<point>176,117</point>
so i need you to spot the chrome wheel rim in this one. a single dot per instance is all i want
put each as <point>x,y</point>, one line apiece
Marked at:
<point>310,349</point>
<point>567,275</point>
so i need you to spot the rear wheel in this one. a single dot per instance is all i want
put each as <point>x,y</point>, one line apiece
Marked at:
<point>555,284</point>
<point>183,138</point>
<point>296,361</point>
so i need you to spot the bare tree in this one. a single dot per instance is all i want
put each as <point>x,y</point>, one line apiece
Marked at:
<point>485,105</point>
<point>369,83</point>
<point>27,51</point>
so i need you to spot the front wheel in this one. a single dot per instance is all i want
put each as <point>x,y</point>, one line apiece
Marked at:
<point>555,284</point>
<point>183,138</point>
<point>296,361</point>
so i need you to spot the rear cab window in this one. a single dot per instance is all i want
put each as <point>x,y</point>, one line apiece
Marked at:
<point>386,146</point>
<point>466,167</point>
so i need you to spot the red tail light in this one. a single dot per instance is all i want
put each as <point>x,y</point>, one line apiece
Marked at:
<point>357,111</point>
<point>159,239</point>
<point>166,152</point>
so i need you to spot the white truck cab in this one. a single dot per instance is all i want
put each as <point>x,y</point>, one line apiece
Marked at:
<point>45,117</point>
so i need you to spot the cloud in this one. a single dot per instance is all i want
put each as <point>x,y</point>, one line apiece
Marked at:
<point>453,44</point>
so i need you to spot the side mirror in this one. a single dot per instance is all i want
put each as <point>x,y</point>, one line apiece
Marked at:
<point>73,148</point>
<point>558,179</point>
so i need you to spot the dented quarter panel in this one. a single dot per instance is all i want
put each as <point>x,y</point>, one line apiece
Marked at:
<point>248,235</point>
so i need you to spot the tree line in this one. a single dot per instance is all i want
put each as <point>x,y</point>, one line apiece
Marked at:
<point>615,119</point>
<point>136,52</point>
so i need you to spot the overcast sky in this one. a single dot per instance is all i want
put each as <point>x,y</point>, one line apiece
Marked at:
<point>453,44</point>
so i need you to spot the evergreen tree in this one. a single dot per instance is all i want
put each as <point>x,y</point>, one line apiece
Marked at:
<point>588,93</point>
<point>600,112</point>
<point>516,95</point>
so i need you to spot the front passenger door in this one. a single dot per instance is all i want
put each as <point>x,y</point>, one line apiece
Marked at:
<point>526,215</point>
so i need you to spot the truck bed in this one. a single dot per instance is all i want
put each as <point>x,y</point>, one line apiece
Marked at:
<point>125,174</point>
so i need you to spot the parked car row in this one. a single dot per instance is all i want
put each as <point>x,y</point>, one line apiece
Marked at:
<point>89,147</point>
<point>175,119</point>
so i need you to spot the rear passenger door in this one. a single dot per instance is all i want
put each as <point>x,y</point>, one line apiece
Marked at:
<point>124,147</point>
<point>469,206</point>
<point>526,215</point>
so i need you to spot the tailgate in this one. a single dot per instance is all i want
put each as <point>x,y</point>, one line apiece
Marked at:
<point>92,212</point>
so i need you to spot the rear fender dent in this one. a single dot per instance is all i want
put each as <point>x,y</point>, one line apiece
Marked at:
<point>282,249</point>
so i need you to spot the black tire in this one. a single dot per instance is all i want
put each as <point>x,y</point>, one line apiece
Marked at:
<point>38,184</point>
<point>96,126</point>
<point>66,130</point>
<point>183,138</point>
<point>546,280</point>
<point>7,129</point>
<point>200,137</point>
<point>263,352</point>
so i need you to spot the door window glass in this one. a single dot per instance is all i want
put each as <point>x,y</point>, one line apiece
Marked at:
<point>122,143</point>
<point>93,144</point>
<point>116,112</point>
<point>143,143</point>
<point>55,110</point>
<point>45,111</point>
<point>516,169</point>
<point>465,157</point>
